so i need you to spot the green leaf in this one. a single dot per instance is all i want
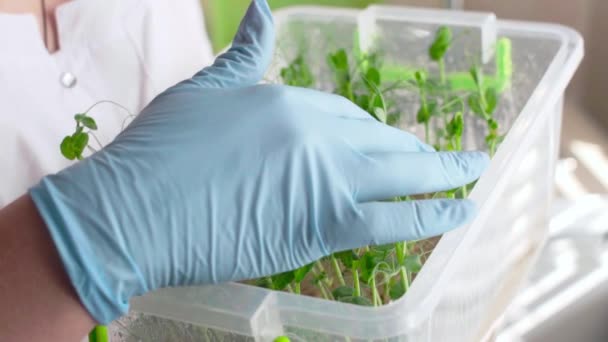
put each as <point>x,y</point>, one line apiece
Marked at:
<point>413,263</point>
<point>477,75</point>
<point>474,103</point>
<point>338,60</point>
<point>347,257</point>
<point>80,140</point>
<point>426,111</point>
<point>343,291</point>
<point>456,125</point>
<point>373,76</point>
<point>492,124</point>
<point>89,123</point>
<point>287,75</point>
<point>301,272</point>
<point>86,121</point>
<point>491,137</point>
<point>362,101</point>
<point>451,193</point>
<point>441,44</point>
<point>338,63</point>
<point>368,264</point>
<point>380,114</point>
<point>378,100</point>
<point>281,280</point>
<point>319,277</point>
<point>396,291</point>
<point>491,100</point>
<point>423,115</point>
<point>298,73</point>
<point>67,148</point>
<point>79,143</point>
<point>356,300</point>
<point>420,76</point>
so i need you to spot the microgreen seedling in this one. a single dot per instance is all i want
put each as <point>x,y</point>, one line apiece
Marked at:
<point>298,74</point>
<point>428,107</point>
<point>484,103</point>
<point>72,147</point>
<point>439,47</point>
<point>338,63</point>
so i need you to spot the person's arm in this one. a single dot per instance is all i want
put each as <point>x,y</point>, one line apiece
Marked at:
<point>38,300</point>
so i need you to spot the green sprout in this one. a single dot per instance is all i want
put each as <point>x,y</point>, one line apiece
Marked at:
<point>454,130</point>
<point>483,103</point>
<point>428,107</point>
<point>298,74</point>
<point>439,47</point>
<point>72,146</point>
<point>338,64</point>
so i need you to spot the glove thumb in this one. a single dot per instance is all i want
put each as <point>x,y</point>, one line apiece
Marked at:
<point>245,63</point>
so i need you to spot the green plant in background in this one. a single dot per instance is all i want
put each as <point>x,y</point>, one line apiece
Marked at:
<point>298,74</point>
<point>437,50</point>
<point>483,102</point>
<point>339,65</point>
<point>428,107</point>
<point>73,146</point>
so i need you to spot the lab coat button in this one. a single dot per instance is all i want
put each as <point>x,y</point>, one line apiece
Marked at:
<point>68,80</point>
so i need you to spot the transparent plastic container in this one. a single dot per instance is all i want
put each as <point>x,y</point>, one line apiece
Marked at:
<point>473,273</point>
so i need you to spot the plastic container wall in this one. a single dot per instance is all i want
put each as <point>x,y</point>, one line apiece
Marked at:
<point>473,272</point>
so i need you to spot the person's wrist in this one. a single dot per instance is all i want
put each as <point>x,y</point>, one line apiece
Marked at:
<point>79,215</point>
<point>34,282</point>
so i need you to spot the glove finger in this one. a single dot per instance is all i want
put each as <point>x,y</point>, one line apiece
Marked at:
<point>389,222</point>
<point>245,63</point>
<point>387,175</point>
<point>371,136</point>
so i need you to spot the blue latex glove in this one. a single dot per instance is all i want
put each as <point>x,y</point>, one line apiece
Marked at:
<point>220,179</point>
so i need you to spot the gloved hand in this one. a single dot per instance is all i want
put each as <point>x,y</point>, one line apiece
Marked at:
<point>220,179</point>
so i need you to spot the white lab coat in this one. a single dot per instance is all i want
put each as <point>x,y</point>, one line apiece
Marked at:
<point>126,51</point>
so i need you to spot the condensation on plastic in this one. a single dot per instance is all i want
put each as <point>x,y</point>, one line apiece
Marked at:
<point>473,273</point>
